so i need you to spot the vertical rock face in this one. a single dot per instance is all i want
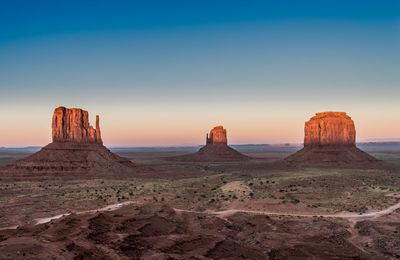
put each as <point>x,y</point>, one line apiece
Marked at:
<point>217,136</point>
<point>72,125</point>
<point>330,129</point>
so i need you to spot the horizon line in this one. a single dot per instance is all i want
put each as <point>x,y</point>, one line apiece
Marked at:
<point>292,144</point>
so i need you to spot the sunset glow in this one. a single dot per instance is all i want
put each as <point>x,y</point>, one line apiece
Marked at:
<point>161,77</point>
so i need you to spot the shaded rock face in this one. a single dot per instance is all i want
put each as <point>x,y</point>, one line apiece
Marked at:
<point>329,128</point>
<point>217,136</point>
<point>330,140</point>
<point>72,125</point>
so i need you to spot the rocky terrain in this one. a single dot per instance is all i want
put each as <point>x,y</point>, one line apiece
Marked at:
<point>215,150</point>
<point>330,140</point>
<point>212,210</point>
<point>159,232</point>
<point>77,148</point>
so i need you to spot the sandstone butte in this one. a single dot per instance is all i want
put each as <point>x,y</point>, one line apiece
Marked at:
<point>330,128</point>
<point>217,136</point>
<point>72,125</point>
<point>215,150</point>
<point>77,148</point>
<point>330,140</point>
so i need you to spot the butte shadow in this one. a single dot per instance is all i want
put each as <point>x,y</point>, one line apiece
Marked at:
<point>215,150</point>
<point>330,140</point>
<point>77,148</point>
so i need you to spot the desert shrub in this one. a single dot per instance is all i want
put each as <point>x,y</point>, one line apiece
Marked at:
<point>293,199</point>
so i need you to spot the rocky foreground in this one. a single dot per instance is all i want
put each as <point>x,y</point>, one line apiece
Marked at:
<point>159,232</point>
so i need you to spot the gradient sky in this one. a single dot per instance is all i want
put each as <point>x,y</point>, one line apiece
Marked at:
<point>166,72</point>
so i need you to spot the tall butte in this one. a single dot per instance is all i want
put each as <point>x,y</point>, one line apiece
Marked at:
<point>77,148</point>
<point>330,140</point>
<point>72,125</point>
<point>215,150</point>
<point>217,136</point>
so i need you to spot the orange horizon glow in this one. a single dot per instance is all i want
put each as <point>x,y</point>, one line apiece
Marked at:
<point>172,127</point>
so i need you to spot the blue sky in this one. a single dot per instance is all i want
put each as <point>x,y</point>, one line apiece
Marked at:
<point>165,72</point>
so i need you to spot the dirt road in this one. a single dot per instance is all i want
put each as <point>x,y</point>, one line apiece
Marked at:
<point>226,213</point>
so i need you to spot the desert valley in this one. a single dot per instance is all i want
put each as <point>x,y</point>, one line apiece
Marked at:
<point>199,130</point>
<point>74,198</point>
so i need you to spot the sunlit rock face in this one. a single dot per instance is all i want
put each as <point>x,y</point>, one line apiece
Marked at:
<point>217,136</point>
<point>329,128</point>
<point>72,125</point>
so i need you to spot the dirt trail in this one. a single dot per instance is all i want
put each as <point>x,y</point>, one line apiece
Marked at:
<point>106,208</point>
<point>226,213</point>
<point>229,212</point>
<point>354,239</point>
<point>353,218</point>
<point>373,214</point>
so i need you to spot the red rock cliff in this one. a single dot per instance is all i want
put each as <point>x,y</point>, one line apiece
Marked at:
<point>72,125</point>
<point>217,136</point>
<point>329,128</point>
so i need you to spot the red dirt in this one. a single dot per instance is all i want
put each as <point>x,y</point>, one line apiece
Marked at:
<point>212,153</point>
<point>342,156</point>
<point>158,232</point>
<point>62,159</point>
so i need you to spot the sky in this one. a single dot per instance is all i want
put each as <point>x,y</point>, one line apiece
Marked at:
<point>164,73</point>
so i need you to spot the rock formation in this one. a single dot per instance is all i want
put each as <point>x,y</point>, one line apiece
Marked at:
<point>77,148</point>
<point>329,128</point>
<point>217,136</point>
<point>72,125</point>
<point>330,140</point>
<point>215,150</point>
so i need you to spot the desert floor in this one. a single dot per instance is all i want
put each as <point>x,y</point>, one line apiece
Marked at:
<point>252,210</point>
